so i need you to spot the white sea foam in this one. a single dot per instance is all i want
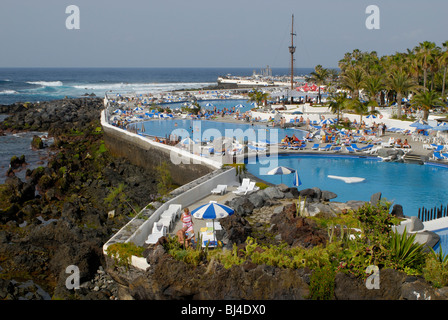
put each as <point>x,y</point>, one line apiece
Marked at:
<point>142,87</point>
<point>8,92</point>
<point>47,83</point>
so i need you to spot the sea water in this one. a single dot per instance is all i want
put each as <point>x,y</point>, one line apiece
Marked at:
<point>44,84</point>
<point>41,84</point>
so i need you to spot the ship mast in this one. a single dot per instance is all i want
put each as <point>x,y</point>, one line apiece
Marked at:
<point>292,49</point>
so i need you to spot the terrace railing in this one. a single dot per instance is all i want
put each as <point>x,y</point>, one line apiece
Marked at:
<point>425,214</point>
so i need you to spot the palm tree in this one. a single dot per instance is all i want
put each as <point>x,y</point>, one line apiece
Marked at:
<point>338,102</point>
<point>434,64</point>
<point>426,100</point>
<point>353,80</point>
<point>258,96</point>
<point>360,108</point>
<point>413,65</point>
<point>373,84</point>
<point>319,76</point>
<point>444,64</point>
<point>424,54</point>
<point>401,83</point>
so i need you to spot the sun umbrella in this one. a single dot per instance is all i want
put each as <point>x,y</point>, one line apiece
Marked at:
<point>418,123</point>
<point>441,127</point>
<point>188,141</point>
<point>371,116</point>
<point>281,171</point>
<point>239,106</point>
<point>209,105</point>
<point>327,121</point>
<point>212,210</point>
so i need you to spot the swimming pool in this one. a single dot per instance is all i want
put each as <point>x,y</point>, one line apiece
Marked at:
<point>443,242</point>
<point>207,130</point>
<point>410,185</point>
<point>220,104</point>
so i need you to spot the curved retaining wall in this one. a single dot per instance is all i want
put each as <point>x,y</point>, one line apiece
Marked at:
<point>150,154</point>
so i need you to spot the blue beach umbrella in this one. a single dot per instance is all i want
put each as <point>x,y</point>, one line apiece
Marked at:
<point>327,121</point>
<point>239,106</point>
<point>423,127</point>
<point>187,141</point>
<point>418,123</point>
<point>441,127</point>
<point>212,210</point>
<point>209,105</point>
<point>371,116</point>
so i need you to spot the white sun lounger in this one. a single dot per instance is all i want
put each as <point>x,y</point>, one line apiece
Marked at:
<point>220,189</point>
<point>251,187</point>
<point>158,231</point>
<point>173,212</point>
<point>243,186</point>
<point>166,222</point>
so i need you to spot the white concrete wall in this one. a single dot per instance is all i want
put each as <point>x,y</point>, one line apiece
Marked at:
<point>182,155</point>
<point>436,224</point>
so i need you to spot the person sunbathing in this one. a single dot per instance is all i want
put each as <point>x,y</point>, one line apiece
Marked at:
<point>284,142</point>
<point>405,144</point>
<point>183,238</point>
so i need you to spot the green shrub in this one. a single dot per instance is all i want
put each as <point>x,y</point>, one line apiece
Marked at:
<point>436,269</point>
<point>322,283</point>
<point>122,252</point>
<point>376,221</point>
<point>228,258</point>
<point>164,179</point>
<point>404,252</point>
<point>188,255</point>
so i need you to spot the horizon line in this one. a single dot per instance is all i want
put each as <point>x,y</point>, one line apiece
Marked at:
<point>90,67</point>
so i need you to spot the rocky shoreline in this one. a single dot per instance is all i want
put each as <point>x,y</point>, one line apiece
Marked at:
<point>59,215</point>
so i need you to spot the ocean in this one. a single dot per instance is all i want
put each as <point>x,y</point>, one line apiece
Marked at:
<point>44,84</point>
<point>36,84</point>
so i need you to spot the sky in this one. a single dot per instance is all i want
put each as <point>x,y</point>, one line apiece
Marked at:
<point>210,33</point>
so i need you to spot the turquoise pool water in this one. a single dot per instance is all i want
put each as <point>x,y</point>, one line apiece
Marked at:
<point>218,103</point>
<point>410,185</point>
<point>202,130</point>
<point>443,243</point>
<point>208,129</point>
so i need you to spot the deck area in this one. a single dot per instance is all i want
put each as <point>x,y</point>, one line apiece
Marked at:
<point>199,223</point>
